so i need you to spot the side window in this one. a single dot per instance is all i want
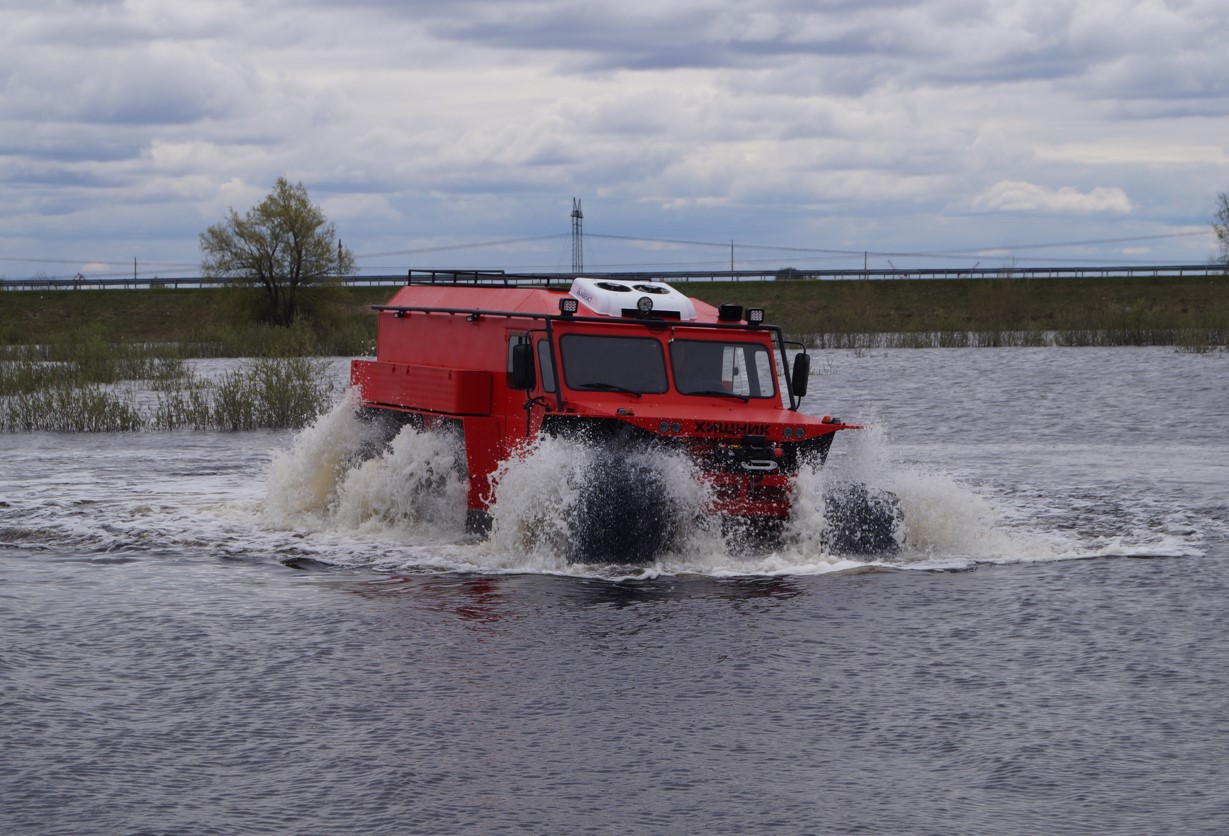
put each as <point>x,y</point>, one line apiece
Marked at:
<point>763,368</point>
<point>746,370</point>
<point>548,368</point>
<point>513,341</point>
<point>734,371</point>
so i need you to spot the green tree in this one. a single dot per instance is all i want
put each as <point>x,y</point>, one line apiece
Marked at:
<point>280,246</point>
<point>1220,224</point>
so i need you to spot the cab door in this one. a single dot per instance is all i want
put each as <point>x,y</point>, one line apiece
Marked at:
<point>530,382</point>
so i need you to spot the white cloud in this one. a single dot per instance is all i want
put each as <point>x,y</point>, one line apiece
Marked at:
<point>1016,196</point>
<point>1140,151</point>
<point>878,123</point>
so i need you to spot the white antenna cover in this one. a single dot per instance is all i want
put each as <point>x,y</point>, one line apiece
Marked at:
<point>611,297</point>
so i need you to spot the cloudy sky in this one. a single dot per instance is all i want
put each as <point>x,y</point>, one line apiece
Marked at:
<point>455,133</point>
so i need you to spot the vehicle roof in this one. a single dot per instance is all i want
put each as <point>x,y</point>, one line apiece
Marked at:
<point>530,300</point>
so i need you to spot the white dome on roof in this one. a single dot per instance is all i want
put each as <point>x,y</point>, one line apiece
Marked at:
<point>615,297</point>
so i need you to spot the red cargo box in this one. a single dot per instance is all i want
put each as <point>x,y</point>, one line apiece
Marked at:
<point>455,391</point>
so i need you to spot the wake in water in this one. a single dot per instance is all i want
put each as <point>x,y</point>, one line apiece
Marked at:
<point>340,482</point>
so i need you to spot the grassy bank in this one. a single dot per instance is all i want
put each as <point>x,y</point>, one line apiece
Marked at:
<point>188,323</point>
<point>76,360</point>
<point>88,361</point>
<point>1190,312</point>
<point>1187,312</point>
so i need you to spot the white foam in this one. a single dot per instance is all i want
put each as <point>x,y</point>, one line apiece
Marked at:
<point>409,497</point>
<point>416,486</point>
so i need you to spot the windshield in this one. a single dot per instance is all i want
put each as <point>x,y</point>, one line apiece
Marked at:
<point>617,364</point>
<point>712,367</point>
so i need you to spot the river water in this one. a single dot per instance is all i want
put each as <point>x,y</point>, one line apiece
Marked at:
<point>249,633</point>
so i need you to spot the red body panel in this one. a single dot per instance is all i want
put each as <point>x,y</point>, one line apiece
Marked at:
<point>431,388</point>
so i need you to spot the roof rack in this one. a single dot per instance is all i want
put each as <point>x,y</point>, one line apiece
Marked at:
<point>486,278</point>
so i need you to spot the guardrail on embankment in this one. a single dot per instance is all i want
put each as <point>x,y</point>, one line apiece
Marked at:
<point>790,274</point>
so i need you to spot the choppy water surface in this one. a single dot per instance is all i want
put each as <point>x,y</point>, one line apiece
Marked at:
<point>251,633</point>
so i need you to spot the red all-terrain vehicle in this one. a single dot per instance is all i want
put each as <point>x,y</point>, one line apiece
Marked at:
<point>630,367</point>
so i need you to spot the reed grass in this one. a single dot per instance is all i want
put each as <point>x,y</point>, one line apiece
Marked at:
<point>270,394</point>
<point>72,380</point>
<point>71,408</point>
<point>188,405</point>
<point>262,393</point>
<point>88,360</point>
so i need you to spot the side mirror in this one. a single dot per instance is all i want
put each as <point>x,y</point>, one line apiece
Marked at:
<point>800,375</point>
<point>523,376</point>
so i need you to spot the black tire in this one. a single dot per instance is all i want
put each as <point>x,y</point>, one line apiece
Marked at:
<point>625,515</point>
<point>384,426</point>
<point>862,521</point>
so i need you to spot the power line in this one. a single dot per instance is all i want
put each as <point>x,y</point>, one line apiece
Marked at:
<point>829,253</point>
<point>932,253</point>
<point>725,245</point>
<point>476,245</point>
<point>1130,240</point>
<point>79,261</point>
<point>439,248</point>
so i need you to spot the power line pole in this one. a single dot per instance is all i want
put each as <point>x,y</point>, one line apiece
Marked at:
<point>578,237</point>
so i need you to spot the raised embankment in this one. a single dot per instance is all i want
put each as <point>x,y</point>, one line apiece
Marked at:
<point>1077,311</point>
<point>1189,311</point>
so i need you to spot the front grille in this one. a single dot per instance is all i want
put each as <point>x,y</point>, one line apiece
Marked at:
<point>762,492</point>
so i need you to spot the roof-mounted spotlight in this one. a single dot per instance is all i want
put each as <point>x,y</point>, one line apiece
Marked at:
<point>730,313</point>
<point>569,306</point>
<point>645,305</point>
<point>755,316</point>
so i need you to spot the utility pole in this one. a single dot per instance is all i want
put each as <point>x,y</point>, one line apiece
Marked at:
<point>731,255</point>
<point>578,238</point>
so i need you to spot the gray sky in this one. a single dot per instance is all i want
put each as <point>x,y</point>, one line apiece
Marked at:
<point>923,133</point>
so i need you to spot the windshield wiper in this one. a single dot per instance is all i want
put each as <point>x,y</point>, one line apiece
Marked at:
<point>608,387</point>
<point>721,393</point>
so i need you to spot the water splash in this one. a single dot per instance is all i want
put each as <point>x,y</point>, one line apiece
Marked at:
<point>351,489</point>
<point>304,480</point>
<point>539,503</point>
<point>342,474</point>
